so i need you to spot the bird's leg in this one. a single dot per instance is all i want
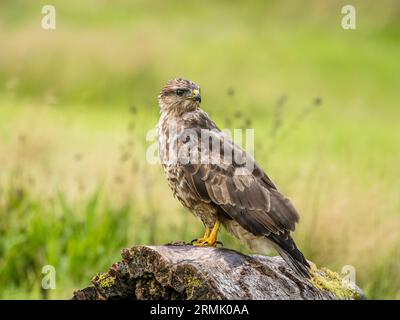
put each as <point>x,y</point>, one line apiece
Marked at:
<point>199,240</point>
<point>206,234</point>
<point>210,239</point>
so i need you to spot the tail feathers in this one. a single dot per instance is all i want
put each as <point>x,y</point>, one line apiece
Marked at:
<point>287,248</point>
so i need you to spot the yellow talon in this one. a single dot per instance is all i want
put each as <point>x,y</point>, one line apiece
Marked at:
<point>210,238</point>
<point>203,238</point>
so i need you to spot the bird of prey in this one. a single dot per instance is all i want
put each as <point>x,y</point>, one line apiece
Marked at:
<point>220,188</point>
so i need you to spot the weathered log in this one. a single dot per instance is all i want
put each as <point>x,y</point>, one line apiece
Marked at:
<point>182,271</point>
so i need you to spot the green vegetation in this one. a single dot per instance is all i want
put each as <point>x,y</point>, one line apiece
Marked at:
<point>76,105</point>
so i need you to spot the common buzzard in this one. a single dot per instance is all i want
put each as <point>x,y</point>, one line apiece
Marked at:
<point>219,182</point>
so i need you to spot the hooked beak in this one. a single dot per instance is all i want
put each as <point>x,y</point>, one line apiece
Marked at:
<point>196,95</point>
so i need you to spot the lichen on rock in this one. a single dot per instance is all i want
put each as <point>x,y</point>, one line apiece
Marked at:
<point>105,280</point>
<point>331,281</point>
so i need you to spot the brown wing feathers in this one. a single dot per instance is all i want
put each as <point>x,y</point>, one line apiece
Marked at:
<point>244,198</point>
<point>253,201</point>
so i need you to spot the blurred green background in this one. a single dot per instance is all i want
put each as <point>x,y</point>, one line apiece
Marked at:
<point>77,103</point>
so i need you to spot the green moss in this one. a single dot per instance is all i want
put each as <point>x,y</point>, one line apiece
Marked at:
<point>106,281</point>
<point>147,276</point>
<point>331,281</point>
<point>194,282</point>
<point>192,285</point>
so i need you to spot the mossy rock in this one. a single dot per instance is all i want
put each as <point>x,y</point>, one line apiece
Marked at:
<point>328,280</point>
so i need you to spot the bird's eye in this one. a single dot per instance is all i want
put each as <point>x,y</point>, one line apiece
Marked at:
<point>180,92</point>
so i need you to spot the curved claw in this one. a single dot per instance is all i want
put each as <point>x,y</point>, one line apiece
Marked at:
<point>198,240</point>
<point>201,243</point>
<point>206,243</point>
<point>219,242</point>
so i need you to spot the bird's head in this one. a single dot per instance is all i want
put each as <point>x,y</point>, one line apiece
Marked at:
<point>179,96</point>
